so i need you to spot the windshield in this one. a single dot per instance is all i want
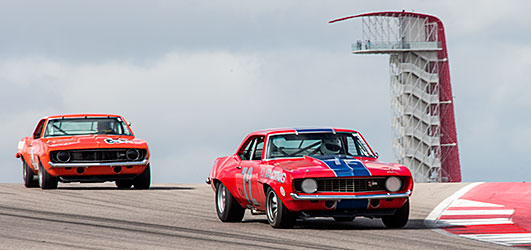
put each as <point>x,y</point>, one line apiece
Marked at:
<point>84,126</point>
<point>316,144</point>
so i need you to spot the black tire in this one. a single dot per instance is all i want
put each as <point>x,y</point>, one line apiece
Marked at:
<point>30,180</point>
<point>227,207</point>
<point>46,181</point>
<point>344,219</point>
<point>399,219</point>
<point>124,184</point>
<point>143,180</point>
<point>278,215</point>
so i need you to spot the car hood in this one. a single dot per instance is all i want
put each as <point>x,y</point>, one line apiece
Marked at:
<point>94,141</point>
<point>338,166</point>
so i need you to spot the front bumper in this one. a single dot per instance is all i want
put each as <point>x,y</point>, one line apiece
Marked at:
<point>295,196</point>
<point>98,164</point>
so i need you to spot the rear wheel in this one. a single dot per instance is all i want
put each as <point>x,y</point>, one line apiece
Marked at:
<point>399,219</point>
<point>143,180</point>
<point>45,179</point>
<point>124,184</point>
<point>29,177</point>
<point>278,215</point>
<point>227,207</point>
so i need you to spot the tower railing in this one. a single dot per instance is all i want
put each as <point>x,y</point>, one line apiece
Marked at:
<point>368,46</point>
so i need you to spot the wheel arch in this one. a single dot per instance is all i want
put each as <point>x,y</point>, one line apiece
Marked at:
<point>266,186</point>
<point>215,183</point>
<point>276,188</point>
<point>29,165</point>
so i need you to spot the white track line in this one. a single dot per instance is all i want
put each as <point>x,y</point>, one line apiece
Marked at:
<point>479,212</point>
<point>431,219</point>
<point>504,239</point>
<point>507,239</point>
<point>473,222</point>
<point>469,203</point>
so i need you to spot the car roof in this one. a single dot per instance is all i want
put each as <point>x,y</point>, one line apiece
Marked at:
<point>301,130</point>
<point>80,116</point>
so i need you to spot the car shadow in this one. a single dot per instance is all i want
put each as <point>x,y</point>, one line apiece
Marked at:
<point>263,221</point>
<point>357,224</point>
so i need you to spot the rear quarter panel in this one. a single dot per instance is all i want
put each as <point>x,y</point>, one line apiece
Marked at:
<point>221,172</point>
<point>23,151</point>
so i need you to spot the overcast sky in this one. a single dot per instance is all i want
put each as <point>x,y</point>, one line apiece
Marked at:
<point>194,77</point>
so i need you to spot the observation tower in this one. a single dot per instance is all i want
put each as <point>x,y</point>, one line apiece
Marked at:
<point>425,137</point>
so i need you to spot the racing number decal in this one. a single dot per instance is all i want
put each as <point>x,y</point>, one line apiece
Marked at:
<point>247,174</point>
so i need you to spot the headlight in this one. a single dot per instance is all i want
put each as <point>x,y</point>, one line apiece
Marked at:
<point>63,156</point>
<point>393,184</point>
<point>309,186</point>
<point>132,154</point>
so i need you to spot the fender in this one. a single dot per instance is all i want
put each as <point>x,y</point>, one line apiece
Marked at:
<point>278,180</point>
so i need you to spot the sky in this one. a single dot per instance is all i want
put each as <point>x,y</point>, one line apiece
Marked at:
<point>194,77</point>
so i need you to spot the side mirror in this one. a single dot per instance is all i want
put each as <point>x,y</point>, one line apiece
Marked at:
<point>129,124</point>
<point>376,155</point>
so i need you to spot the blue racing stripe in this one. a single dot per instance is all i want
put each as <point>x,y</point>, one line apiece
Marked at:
<point>346,204</point>
<point>344,166</point>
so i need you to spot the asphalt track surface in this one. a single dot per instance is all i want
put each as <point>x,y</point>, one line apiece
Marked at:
<point>182,216</point>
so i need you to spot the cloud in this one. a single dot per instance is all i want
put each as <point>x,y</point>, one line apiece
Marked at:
<point>193,107</point>
<point>195,77</point>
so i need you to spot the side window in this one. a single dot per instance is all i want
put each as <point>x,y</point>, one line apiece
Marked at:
<point>38,131</point>
<point>352,147</point>
<point>257,155</point>
<point>245,153</point>
<point>357,147</point>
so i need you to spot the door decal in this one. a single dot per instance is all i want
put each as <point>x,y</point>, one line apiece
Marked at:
<point>247,174</point>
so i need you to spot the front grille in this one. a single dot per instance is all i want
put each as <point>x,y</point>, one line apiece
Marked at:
<point>344,185</point>
<point>98,155</point>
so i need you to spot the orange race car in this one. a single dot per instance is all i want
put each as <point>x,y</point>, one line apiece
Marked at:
<point>84,148</point>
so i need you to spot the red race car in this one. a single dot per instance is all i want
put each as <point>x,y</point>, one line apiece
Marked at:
<point>322,172</point>
<point>84,148</point>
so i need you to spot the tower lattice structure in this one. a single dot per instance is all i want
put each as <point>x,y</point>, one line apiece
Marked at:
<point>423,121</point>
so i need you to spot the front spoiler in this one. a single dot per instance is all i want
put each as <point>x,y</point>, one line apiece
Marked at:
<point>96,164</point>
<point>350,197</point>
<point>96,178</point>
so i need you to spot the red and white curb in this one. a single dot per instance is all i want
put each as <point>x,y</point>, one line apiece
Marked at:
<point>478,220</point>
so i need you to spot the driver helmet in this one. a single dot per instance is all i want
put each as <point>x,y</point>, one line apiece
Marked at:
<point>331,146</point>
<point>105,127</point>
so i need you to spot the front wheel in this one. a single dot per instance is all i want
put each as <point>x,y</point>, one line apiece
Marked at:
<point>30,180</point>
<point>227,207</point>
<point>46,180</point>
<point>123,184</point>
<point>399,219</point>
<point>143,180</point>
<point>278,215</point>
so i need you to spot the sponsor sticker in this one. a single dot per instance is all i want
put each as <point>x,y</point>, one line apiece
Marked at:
<point>282,192</point>
<point>275,175</point>
<point>117,141</point>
